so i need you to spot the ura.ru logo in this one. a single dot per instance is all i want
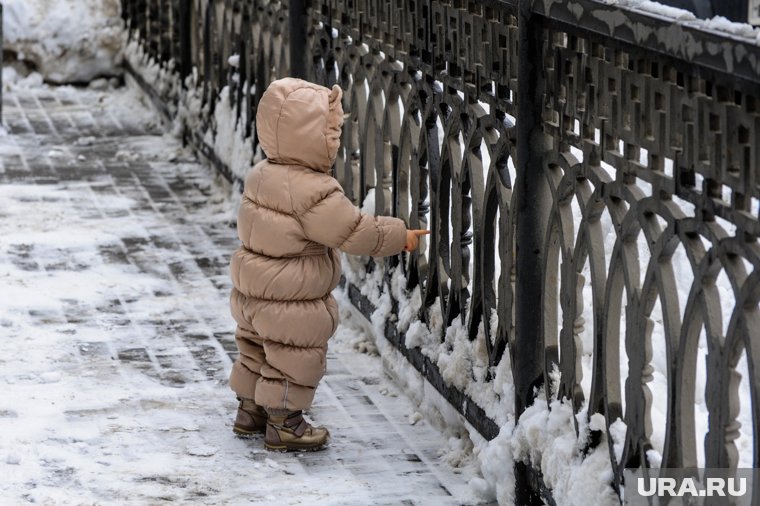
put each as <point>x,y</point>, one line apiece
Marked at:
<point>712,487</point>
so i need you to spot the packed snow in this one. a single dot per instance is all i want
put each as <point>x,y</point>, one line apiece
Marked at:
<point>65,41</point>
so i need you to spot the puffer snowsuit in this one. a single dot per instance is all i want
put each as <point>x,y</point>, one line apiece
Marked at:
<point>293,217</point>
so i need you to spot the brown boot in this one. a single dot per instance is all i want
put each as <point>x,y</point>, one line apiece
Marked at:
<point>290,432</point>
<point>251,418</point>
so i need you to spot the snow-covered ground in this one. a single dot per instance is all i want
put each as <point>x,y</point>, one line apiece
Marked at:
<point>117,339</point>
<point>64,40</point>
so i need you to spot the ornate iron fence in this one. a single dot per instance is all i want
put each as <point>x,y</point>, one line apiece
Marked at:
<point>588,174</point>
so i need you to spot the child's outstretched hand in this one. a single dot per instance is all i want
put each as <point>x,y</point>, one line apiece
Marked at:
<point>413,239</point>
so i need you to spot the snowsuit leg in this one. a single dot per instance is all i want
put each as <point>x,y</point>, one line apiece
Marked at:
<point>283,360</point>
<point>290,377</point>
<point>246,371</point>
<point>296,359</point>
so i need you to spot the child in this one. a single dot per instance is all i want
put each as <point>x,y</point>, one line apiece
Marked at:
<point>292,219</point>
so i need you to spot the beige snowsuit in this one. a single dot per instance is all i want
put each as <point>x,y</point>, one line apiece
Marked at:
<point>292,218</point>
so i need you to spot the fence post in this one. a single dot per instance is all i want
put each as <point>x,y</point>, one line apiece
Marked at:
<point>185,40</point>
<point>297,38</point>
<point>1,64</point>
<point>531,214</point>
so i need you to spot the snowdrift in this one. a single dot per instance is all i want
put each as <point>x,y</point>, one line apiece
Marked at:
<point>66,41</point>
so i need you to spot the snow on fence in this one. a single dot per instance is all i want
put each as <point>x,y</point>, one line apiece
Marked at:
<point>590,288</point>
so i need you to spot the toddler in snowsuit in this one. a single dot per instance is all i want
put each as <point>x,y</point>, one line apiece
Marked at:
<point>292,220</point>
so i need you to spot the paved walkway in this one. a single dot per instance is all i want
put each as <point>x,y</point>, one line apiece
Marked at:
<point>116,339</point>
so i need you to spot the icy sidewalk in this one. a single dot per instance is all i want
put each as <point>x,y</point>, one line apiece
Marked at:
<point>116,338</point>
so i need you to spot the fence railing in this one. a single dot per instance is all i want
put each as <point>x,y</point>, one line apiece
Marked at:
<point>588,174</point>
<point>1,63</point>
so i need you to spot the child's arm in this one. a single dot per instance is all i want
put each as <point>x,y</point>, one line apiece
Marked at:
<point>335,222</point>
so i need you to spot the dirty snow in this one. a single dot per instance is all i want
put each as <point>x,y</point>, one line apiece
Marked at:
<point>65,40</point>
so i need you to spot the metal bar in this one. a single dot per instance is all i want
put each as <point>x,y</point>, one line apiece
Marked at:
<point>735,10</point>
<point>531,212</point>
<point>185,39</point>
<point>297,24</point>
<point>1,63</point>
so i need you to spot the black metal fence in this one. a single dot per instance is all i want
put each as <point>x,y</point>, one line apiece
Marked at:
<point>588,174</point>
<point>1,63</point>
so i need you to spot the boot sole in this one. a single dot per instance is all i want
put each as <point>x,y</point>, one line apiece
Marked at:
<point>294,447</point>
<point>243,433</point>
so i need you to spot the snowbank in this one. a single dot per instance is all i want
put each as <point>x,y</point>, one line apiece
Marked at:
<point>544,436</point>
<point>65,40</point>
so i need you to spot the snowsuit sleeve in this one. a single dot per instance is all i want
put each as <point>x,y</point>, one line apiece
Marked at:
<point>335,222</point>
